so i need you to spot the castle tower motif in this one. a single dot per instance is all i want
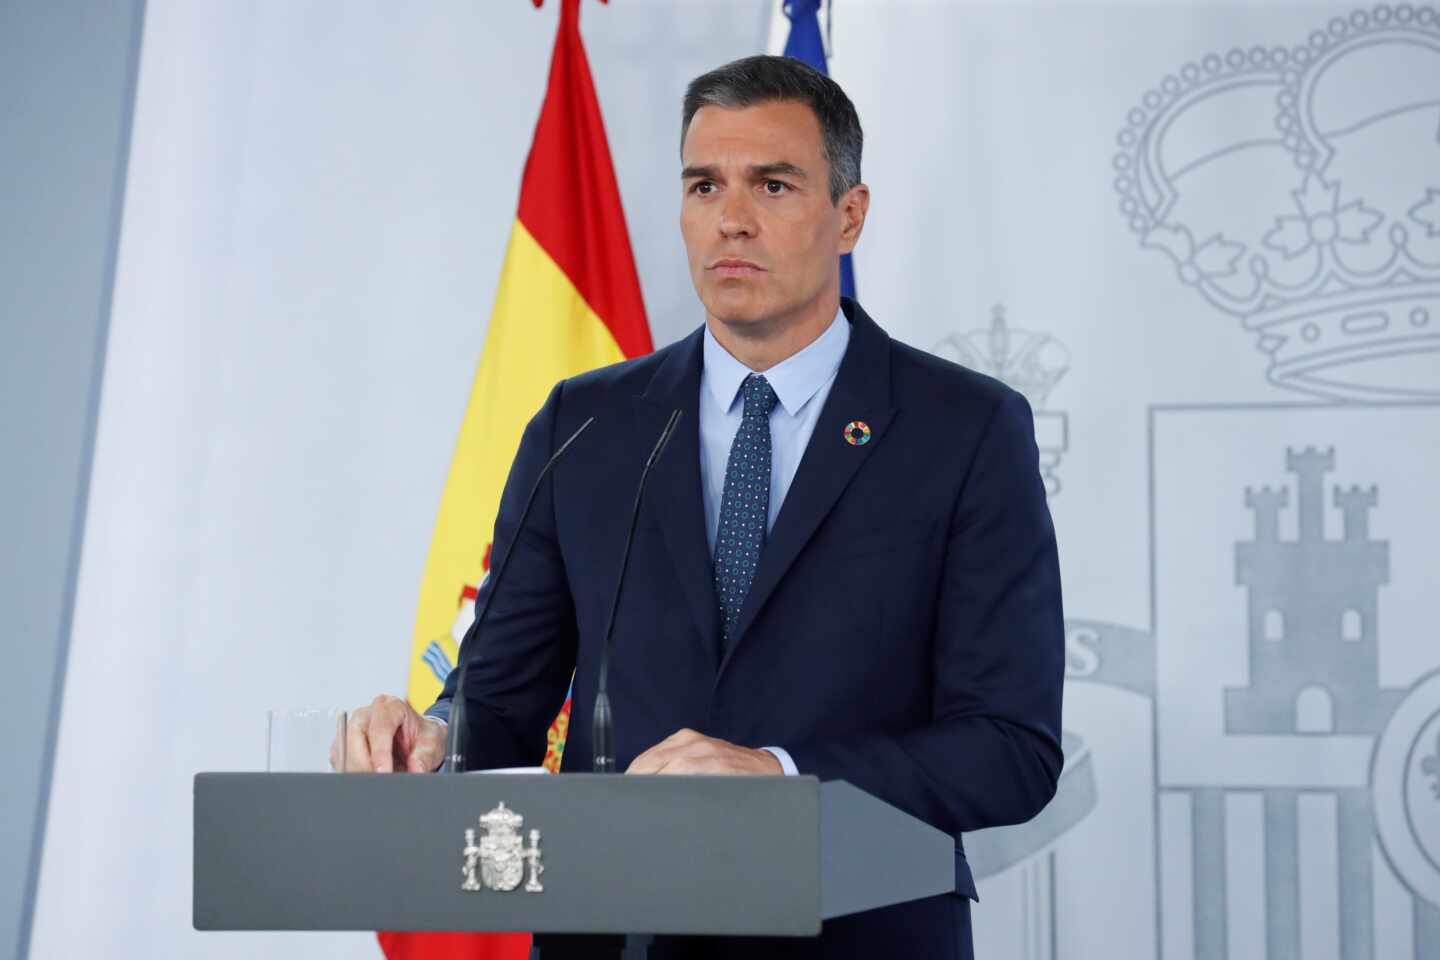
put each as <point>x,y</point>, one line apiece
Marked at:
<point>1312,612</point>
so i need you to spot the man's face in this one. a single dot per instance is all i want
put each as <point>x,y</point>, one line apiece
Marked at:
<point>761,232</point>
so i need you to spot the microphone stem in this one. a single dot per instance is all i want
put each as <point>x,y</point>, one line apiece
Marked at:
<point>455,737</point>
<point>602,728</point>
<point>454,754</point>
<point>602,723</point>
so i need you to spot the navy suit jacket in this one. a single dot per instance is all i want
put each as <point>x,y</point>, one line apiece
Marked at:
<point>903,630</point>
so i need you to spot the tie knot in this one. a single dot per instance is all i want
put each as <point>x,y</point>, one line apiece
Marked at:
<point>759,395</point>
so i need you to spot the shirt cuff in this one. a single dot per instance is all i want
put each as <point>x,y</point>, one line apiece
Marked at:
<point>783,755</point>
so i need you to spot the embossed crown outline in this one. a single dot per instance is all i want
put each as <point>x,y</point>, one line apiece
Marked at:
<point>502,818</point>
<point>1321,220</point>
<point>1028,361</point>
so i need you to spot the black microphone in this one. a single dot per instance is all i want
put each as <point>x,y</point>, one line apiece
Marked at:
<point>455,741</point>
<point>602,726</point>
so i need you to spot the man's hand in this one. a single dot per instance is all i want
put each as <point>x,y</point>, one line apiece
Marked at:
<point>686,751</point>
<point>389,735</point>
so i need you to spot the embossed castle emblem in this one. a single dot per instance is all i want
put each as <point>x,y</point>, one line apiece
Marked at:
<point>1298,190</point>
<point>1313,607</point>
<point>1029,362</point>
<point>499,860</point>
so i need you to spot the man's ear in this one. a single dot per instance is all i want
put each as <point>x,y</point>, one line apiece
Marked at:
<point>854,205</point>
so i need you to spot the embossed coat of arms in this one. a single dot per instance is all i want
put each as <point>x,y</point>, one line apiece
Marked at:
<point>499,859</point>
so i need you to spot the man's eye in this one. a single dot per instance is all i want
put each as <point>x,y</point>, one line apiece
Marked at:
<point>775,187</point>
<point>704,188</point>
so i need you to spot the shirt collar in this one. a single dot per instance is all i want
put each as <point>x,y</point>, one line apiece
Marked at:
<point>794,379</point>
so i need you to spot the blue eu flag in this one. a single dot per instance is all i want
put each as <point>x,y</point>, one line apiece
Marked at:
<point>805,43</point>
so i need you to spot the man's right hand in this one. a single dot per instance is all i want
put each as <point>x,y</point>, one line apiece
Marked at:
<point>389,735</point>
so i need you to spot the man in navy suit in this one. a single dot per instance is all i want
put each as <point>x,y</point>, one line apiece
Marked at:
<point>844,567</point>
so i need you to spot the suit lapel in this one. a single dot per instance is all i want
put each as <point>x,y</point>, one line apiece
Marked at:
<point>675,484</point>
<point>861,392</point>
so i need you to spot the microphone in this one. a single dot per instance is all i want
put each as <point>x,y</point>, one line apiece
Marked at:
<point>602,725</point>
<point>455,739</point>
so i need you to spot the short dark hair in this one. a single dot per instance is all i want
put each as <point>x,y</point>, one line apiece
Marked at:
<point>765,79</point>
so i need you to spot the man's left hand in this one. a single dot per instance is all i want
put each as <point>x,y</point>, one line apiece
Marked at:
<point>687,751</point>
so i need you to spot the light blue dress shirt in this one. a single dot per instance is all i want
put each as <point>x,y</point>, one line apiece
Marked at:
<point>801,382</point>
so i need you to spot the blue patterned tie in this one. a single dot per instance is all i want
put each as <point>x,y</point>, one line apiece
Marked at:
<point>745,505</point>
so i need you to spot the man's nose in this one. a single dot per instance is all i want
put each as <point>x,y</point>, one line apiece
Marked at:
<point>737,216</point>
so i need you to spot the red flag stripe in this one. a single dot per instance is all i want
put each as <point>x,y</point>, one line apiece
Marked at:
<point>455,946</point>
<point>570,201</point>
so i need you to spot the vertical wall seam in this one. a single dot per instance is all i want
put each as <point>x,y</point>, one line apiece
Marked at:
<point>86,469</point>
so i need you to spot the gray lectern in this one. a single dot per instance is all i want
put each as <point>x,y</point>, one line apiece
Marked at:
<point>566,854</point>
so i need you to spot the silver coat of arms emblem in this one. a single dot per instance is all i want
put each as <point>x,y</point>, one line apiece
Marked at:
<point>498,861</point>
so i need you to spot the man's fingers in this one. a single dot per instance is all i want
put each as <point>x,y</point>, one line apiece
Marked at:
<point>687,761</point>
<point>407,735</point>
<point>681,764</point>
<point>683,735</point>
<point>702,754</point>
<point>424,759</point>
<point>357,752</point>
<point>653,759</point>
<point>666,752</point>
<point>429,747</point>
<point>377,739</point>
<point>650,761</point>
<point>385,718</point>
<point>644,763</point>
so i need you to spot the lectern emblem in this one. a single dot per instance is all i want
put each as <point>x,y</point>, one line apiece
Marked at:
<point>499,859</point>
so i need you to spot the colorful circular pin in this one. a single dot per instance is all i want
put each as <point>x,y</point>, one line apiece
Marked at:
<point>857,433</point>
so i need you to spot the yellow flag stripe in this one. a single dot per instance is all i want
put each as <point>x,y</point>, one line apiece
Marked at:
<point>541,331</point>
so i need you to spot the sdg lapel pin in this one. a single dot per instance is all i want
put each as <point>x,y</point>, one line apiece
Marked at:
<point>857,433</point>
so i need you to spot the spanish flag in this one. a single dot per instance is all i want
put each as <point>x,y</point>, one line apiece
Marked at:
<point>568,301</point>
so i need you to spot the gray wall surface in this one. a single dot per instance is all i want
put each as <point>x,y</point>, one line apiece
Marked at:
<point>67,72</point>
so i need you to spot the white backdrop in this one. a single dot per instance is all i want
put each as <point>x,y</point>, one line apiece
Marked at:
<point>318,200</point>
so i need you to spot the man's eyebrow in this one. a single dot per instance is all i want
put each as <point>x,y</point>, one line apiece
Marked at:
<point>757,171</point>
<point>782,168</point>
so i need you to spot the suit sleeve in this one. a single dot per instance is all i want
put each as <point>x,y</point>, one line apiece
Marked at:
<point>991,754</point>
<point>520,666</point>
